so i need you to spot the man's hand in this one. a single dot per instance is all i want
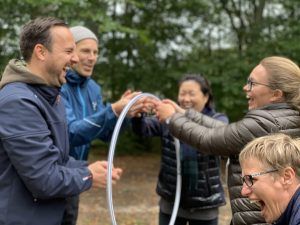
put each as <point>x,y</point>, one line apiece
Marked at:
<point>143,105</point>
<point>99,172</point>
<point>119,105</point>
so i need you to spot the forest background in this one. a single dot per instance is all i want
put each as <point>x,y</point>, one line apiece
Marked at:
<point>148,45</point>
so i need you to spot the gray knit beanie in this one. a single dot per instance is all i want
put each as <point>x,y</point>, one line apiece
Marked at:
<point>80,33</point>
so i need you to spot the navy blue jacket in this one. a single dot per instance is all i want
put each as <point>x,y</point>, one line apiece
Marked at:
<point>88,118</point>
<point>204,192</point>
<point>291,215</point>
<point>36,171</point>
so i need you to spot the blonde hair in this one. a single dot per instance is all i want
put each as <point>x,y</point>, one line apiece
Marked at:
<point>284,74</point>
<point>276,151</point>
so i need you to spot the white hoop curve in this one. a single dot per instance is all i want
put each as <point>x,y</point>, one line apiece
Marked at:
<point>111,156</point>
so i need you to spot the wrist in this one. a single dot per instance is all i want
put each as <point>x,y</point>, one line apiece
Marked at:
<point>114,109</point>
<point>167,120</point>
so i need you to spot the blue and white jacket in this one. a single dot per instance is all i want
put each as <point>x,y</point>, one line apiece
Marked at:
<point>88,118</point>
<point>36,171</point>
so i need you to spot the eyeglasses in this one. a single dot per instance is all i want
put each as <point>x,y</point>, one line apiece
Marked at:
<point>250,84</point>
<point>248,179</point>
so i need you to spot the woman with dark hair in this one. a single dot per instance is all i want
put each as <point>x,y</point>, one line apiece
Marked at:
<point>202,191</point>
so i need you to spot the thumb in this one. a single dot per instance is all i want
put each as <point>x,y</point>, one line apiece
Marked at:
<point>126,93</point>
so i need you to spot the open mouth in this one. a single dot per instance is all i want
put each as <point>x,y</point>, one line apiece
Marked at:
<point>187,106</point>
<point>88,67</point>
<point>254,201</point>
<point>260,203</point>
<point>248,98</point>
<point>65,69</point>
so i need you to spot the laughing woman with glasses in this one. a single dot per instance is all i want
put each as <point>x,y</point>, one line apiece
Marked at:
<point>271,177</point>
<point>273,94</point>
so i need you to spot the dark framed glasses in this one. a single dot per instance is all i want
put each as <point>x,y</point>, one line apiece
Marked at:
<point>251,83</point>
<point>248,179</point>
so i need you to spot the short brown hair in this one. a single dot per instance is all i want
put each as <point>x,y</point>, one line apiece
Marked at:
<point>35,32</point>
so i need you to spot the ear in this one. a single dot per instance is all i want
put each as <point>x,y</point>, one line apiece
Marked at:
<point>40,52</point>
<point>277,96</point>
<point>289,176</point>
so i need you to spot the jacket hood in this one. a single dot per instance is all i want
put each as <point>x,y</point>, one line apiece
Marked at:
<point>16,71</point>
<point>75,78</point>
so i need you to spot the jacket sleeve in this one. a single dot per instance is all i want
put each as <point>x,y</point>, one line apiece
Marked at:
<point>221,117</point>
<point>98,125</point>
<point>146,126</point>
<point>214,137</point>
<point>45,170</point>
<point>204,120</point>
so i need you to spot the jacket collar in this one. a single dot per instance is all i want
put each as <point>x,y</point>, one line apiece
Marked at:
<point>51,94</point>
<point>280,105</point>
<point>289,213</point>
<point>75,78</point>
<point>16,71</point>
<point>208,111</point>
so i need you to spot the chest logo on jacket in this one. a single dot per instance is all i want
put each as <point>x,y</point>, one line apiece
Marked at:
<point>94,105</point>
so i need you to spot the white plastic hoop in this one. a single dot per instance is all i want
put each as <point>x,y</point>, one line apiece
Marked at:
<point>111,157</point>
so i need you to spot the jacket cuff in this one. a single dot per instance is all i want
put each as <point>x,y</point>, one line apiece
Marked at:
<point>192,114</point>
<point>88,179</point>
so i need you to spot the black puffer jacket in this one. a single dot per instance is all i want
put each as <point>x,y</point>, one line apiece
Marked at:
<point>208,191</point>
<point>200,131</point>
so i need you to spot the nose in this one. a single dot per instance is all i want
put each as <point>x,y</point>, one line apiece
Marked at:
<point>92,56</point>
<point>74,59</point>
<point>185,98</point>
<point>246,88</point>
<point>246,191</point>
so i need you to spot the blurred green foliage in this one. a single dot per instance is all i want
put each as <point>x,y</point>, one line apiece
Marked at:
<point>148,45</point>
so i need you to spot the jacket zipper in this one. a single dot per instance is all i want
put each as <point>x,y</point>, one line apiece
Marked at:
<point>83,116</point>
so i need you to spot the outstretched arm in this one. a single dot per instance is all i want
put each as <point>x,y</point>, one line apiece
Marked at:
<point>98,125</point>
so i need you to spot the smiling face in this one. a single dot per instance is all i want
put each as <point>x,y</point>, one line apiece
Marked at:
<point>260,95</point>
<point>87,51</point>
<point>191,96</point>
<point>61,56</point>
<point>265,189</point>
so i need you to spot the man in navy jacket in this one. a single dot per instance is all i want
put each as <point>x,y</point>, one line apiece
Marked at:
<point>36,172</point>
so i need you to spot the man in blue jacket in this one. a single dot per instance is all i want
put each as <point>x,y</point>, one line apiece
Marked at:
<point>88,118</point>
<point>36,172</point>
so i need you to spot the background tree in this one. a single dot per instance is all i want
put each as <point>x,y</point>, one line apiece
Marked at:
<point>148,45</point>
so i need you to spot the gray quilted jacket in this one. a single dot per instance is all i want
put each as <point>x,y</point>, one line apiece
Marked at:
<point>210,136</point>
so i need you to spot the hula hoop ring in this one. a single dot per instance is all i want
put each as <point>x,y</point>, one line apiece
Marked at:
<point>111,157</point>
